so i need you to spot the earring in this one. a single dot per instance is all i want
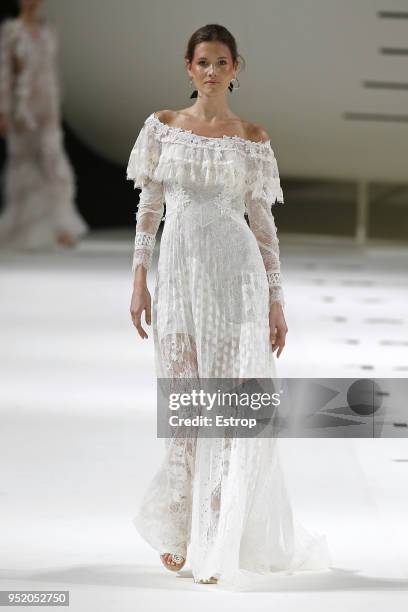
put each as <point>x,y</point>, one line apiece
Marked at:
<point>231,86</point>
<point>195,92</point>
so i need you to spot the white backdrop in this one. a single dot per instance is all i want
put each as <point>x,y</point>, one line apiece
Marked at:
<point>123,59</point>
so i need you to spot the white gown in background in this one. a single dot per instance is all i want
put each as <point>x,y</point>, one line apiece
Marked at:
<point>222,502</point>
<point>38,181</point>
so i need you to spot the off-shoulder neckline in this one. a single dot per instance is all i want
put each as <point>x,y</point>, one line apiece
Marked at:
<point>190,133</point>
<point>41,23</point>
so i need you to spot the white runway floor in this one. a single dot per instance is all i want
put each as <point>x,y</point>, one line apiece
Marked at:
<point>78,440</point>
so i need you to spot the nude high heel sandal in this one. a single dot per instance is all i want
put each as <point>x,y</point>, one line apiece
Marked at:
<point>174,563</point>
<point>212,580</point>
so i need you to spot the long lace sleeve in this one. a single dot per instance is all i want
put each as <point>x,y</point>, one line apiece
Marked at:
<point>5,68</point>
<point>143,161</point>
<point>264,190</point>
<point>57,90</point>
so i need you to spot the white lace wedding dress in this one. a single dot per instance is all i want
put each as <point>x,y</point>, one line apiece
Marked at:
<point>38,181</point>
<point>222,502</point>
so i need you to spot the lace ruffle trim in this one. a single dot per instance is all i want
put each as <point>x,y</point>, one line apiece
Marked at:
<point>211,161</point>
<point>168,133</point>
<point>263,182</point>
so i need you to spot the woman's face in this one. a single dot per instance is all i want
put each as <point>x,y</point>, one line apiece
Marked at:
<point>30,6</point>
<point>212,61</point>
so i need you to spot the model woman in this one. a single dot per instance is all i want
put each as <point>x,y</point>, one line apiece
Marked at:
<point>217,312</point>
<point>39,187</point>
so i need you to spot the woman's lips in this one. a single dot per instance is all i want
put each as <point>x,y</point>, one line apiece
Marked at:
<point>212,82</point>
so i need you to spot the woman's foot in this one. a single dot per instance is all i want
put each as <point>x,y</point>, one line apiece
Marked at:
<point>174,563</point>
<point>66,239</point>
<point>211,580</point>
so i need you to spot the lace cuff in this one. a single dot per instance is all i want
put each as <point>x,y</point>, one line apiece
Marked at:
<point>143,251</point>
<point>275,288</point>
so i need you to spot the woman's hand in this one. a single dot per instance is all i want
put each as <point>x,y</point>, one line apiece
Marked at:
<point>141,301</point>
<point>278,327</point>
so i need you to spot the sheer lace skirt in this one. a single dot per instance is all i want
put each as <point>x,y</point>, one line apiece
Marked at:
<point>222,501</point>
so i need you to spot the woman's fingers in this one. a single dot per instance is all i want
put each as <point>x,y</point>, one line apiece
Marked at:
<point>148,314</point>
<point>274,339</point>
<point>136,316</point>
<point>280,343</point>
<point>141,302</point>
<point>140,329</point>
<point>277,337</point>
<point>272,335</point>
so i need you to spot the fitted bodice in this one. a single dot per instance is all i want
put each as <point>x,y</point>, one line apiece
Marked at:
<point>206,182</point>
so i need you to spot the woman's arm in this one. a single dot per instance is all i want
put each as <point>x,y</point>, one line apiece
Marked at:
<point>148,217</point>
<point>15,79</point>
<point>143,160</point>
<point>57,89</point>
<point>262,224</point>
<point>263,191</point>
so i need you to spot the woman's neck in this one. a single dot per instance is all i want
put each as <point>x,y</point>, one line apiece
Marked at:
<point>30,18</point>
<point>206,109</point>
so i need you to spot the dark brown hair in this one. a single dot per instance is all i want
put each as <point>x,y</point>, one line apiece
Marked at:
<point>213,32</point>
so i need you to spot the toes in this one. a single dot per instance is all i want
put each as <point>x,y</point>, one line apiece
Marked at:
<point>170,559</point>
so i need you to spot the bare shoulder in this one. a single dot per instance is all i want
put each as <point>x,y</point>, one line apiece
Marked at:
<point>256,132</point>
<point>165,116</point>
<point>249,131</point>
<point>174,118</point>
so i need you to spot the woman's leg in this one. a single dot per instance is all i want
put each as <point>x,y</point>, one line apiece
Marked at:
<point>179,357</point>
